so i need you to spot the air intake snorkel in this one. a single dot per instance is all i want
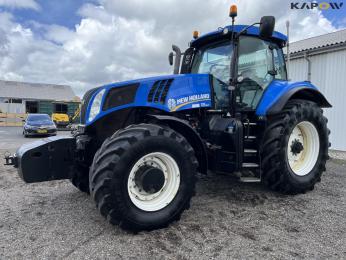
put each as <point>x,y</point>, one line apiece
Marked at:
<point>177,55</point>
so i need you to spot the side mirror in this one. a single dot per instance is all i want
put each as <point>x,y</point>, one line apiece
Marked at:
<point>267,25</point>
<point>170,58</point>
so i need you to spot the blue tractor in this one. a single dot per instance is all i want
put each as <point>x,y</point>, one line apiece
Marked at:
<point>227,108</point>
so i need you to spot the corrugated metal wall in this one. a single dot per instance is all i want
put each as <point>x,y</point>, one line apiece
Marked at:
<point>45,107</point>
<point>72,107</point>
<point>328,73</point>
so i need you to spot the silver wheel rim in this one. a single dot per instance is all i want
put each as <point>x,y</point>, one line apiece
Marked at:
<point>303,148</point>
<point>160,199</point>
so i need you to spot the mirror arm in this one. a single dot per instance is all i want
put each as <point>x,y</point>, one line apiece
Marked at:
<point>245,29</point>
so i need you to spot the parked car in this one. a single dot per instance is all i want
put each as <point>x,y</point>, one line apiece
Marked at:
<point>39,124</point>
<point>60,119</point>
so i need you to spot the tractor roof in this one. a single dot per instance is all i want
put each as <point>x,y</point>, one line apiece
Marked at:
<point>218,34</point>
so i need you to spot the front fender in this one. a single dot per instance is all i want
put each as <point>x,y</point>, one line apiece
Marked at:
<point>278,93</point>
<point>183,128</point>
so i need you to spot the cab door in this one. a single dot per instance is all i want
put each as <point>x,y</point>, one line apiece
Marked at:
<point>255,71</point>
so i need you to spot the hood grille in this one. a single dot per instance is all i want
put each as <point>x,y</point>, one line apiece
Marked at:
<point>159,90</point>
<point>119,96</point>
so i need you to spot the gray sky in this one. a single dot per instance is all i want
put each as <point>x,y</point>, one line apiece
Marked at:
<point>119,40</point>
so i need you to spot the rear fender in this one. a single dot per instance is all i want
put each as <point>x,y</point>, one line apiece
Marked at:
<point>278,93</point>
<point>299,93</point>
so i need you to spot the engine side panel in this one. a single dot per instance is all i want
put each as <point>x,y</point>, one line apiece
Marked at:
<point>169,93</point>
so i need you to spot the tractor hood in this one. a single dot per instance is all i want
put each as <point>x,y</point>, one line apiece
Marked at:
<point>169,93</point>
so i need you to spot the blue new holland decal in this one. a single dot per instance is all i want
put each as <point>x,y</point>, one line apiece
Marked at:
<point>195,101</point>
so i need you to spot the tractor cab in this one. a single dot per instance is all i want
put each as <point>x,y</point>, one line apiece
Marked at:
<point>243,60</point>
<point>257,63</point>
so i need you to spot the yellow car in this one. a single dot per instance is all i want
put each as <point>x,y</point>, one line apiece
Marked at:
<point>61,120</point>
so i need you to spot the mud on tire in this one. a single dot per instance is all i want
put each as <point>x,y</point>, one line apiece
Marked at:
<point>276,171</point>
<point>113,163</point>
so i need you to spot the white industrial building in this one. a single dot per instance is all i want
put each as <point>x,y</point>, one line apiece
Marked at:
<point>322,60</point>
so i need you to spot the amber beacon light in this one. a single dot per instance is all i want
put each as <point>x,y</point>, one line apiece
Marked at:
<point>233,11</point>
<point>195,34</point>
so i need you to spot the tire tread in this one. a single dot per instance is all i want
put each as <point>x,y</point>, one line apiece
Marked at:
<point>103,178</point>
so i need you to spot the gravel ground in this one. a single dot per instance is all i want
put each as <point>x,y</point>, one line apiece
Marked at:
<point>227,219</point>
<point>340,155</point>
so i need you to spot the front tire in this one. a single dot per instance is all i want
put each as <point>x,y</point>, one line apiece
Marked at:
<point>80,178</point>
<point>295,148</point>
<point>143,177</point>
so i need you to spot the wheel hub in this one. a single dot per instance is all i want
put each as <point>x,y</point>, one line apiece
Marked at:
<point>296,147</point>
<point>150,179</point>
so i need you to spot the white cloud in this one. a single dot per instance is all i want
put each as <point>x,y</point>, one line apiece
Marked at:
<point>26,4</point>
<point>121,40</point>
<point>58,34</point>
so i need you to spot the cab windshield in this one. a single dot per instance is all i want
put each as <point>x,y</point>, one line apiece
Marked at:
<point>215,59</point>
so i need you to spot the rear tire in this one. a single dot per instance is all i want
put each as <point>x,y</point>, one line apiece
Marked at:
<point>121,166</point>
<point>295,148</point>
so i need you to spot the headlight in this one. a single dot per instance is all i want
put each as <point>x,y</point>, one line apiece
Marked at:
<point>96,105</point>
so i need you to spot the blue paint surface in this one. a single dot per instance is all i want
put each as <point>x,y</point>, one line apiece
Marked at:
<point>187,91</point>
<point>254,30</point>
<point>275,90</point>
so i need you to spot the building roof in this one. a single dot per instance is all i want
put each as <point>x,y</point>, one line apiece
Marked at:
<point>38,91</point>
<point>317,42</point>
